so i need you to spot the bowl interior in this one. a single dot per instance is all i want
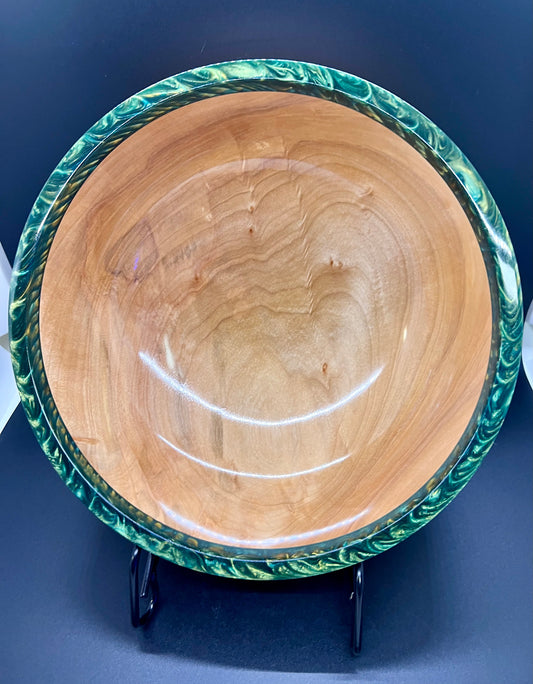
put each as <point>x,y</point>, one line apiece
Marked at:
<point>265,320</point>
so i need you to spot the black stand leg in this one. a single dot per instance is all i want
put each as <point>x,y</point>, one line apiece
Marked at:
<point>144,597</point>
<point>357,598</point>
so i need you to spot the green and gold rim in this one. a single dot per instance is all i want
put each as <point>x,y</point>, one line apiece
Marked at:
<point>440,152</point>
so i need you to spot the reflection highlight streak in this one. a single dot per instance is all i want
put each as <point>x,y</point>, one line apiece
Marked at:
<point>186,392</point>
<point>256,475</point>
<point>289,540</point>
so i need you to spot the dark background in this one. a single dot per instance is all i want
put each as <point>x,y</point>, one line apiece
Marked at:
<point>451,604</point>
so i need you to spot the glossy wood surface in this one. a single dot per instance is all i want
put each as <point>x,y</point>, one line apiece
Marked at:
<point>265,320</point>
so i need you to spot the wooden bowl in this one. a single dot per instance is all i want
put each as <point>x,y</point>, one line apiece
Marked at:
<point>265,319</point>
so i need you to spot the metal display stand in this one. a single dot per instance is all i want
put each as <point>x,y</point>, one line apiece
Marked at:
<point>144,588</point>
<point>356,596</point>
<point>144,593</point>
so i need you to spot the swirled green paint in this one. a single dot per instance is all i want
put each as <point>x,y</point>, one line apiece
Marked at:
<point>37,237</point>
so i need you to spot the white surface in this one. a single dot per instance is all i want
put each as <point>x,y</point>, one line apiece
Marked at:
<point>9,396</point>
<point>527,345</point>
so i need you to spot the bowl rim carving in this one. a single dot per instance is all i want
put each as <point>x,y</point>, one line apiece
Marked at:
<point>439,151</point>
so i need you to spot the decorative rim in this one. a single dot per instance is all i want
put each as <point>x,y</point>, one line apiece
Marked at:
<point>440,152</point>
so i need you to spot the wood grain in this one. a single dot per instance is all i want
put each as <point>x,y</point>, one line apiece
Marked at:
<point>265,320</point>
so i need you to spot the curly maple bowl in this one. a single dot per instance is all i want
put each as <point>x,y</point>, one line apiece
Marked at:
<point>265,319</point>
